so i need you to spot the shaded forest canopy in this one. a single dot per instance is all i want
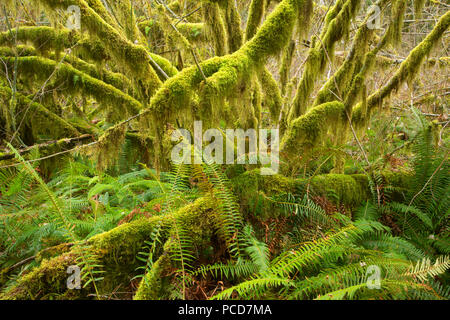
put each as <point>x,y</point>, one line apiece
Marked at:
<point>92,91</point>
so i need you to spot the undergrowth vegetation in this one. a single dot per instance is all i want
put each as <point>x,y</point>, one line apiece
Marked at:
<point>359,208</point>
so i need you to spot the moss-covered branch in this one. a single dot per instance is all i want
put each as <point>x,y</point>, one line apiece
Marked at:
<point>255,16</point>
<point>233,23</point>
<point>116,251</point>
<point>63,144</point>
<point>75,82</point>
<point>194,32</point>
<point>41,120</point>
<point>135,58</point>
<point>253,190</point>
<point>310,130</point>
<point>215,26</point>
<point>337,25</point>
<point>406,72</point>
<point>175,100</point>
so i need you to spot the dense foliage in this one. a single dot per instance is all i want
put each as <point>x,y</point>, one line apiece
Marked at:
<point>358,210</point>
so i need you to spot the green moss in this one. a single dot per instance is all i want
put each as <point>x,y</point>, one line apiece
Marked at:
<point>337,25</point>
<point>43,39</point>
<point>304,19</point>
<point>394,33</point>
<point>124,13</point>
<point>348,190</point>
<point>151,286</point>
<point>340,83</point>
<point>194,32</point>
<point>176,99</point>
<point>408,69</point>
<point>215,27</point>
<point>132,56</point>
<point>76,81</point>
<point>285,68</point>
<point>233,24</point>
<point>115,79</point>
<point>49,278</point>
<point>274,33</point>
<point>21,50</point>
<point>255,16</point>
<point>272,95</point>
<point>40,119</point>
<point>115,250</point>
<point>309,130</point>
<point>254,190</point>
<point>164,64</point>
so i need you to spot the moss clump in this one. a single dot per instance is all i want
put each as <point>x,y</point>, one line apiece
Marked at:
<point>115,250</point>
<point>254,190</point>
<point>309,130</point>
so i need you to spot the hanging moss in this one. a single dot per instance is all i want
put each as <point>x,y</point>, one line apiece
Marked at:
<point>215,27</point>
<point>76,81</point>
<point>105,151</point>
<point>285,68</point>
<point>405,73</point>
<point>102,11</point>
<point>124,14</point>
<point>338,22</point>
<point>333,12</point>
<point>115,79</point>
<point>339,84</point>
<point>154,33</point>
<point>394,34</point>
<point>255,16</point>
<point>233,25</point>
<point>176,100</point>
<point>133,57</point>
<point>41,121</point>
<point>418,6</point>
<point>47,39</point>
<point>271,94</point>
<point>21,51</point>
<point>309,130</point>
<point>304,19</point>
<point>43,39</point>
